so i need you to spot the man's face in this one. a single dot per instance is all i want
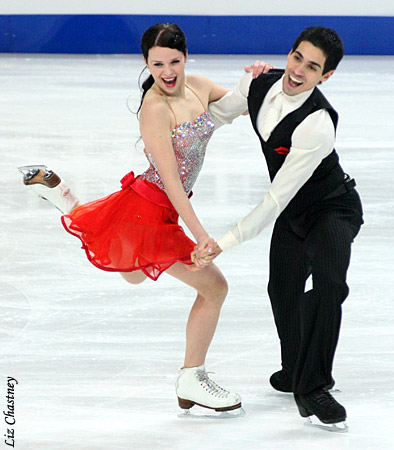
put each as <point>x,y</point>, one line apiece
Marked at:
<point>304,69</point>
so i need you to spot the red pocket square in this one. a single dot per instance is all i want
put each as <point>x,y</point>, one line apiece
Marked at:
<point>282,150</point>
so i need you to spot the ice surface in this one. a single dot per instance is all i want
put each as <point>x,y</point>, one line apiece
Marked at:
<point>96,358</point>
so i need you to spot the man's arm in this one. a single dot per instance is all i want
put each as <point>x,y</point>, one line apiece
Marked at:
<point>231,105</point>
<point>312,141</point>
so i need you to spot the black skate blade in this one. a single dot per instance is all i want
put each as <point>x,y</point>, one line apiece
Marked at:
<point>314,422</point>
<point>203,413</point>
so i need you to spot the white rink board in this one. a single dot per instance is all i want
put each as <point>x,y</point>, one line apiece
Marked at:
<point>202,7</point>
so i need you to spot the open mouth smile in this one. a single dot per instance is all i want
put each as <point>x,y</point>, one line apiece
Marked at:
<point>170,82</point>
<point>294,82</point>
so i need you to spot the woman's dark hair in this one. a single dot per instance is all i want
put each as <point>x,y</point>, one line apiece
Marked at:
<point>167,35</point>
<point>327,40</point>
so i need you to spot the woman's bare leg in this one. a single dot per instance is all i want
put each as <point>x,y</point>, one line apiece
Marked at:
<point>76,206</point>
<point>212,289</point>
<point>193,386</point>
<point>135,277</point>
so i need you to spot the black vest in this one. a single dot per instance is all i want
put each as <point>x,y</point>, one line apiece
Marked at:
<point>327,177</point>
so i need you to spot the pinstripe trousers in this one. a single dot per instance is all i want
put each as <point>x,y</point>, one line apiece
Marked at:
<point>308,323</point>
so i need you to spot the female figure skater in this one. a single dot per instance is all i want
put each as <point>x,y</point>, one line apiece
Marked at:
<point>135,231</point>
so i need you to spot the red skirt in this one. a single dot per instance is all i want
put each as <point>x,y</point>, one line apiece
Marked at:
<point>132,229</point>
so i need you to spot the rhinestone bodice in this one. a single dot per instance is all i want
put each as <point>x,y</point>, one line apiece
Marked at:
<point>189,141</point>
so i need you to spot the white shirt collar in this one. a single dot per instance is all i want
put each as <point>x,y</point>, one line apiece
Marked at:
<point>289,104</point>
<point>293,101</point>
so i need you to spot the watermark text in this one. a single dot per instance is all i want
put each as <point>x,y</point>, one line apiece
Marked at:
<point>9,412</point>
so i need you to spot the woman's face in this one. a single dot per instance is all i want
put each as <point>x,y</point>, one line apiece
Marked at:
<point>167,66</point>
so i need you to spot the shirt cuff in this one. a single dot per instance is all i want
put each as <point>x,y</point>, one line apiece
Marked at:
<point>227,241</point>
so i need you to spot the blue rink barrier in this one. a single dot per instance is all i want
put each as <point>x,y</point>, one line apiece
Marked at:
<point>43,33</point>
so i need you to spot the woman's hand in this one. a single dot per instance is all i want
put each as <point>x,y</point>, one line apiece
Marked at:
<point>258,67</point>
<point>204,246</point>
<point>203,257</point>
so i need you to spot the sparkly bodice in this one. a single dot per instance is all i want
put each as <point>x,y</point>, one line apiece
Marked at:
<point>189,141</point>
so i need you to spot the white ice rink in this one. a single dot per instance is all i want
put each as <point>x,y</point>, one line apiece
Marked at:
<point>96,358</point>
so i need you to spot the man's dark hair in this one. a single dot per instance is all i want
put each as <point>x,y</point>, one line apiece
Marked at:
<point>327,40</point>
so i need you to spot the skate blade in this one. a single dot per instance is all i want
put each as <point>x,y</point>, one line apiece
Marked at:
<point>26,169</point>
<point>34,175</point>
<point>233,414</point>
<point>339,427</point>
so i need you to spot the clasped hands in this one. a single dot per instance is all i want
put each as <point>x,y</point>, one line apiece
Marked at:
<point>205,252</point>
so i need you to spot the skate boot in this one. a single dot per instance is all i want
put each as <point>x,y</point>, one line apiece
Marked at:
<point>322,404</point>
<point>194,387</point>
<point>281,381</point>
<point>49,186</point>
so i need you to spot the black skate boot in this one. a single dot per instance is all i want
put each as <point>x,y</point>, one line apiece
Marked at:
<point>322,404</point>
<point>281,381</point>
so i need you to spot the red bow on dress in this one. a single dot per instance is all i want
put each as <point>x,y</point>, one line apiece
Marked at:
<point>127,180</point>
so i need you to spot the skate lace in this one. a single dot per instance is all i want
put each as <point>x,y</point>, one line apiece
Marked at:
<point>210,386</point>
<point>325,399</point>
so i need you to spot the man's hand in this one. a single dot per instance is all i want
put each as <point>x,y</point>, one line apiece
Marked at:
<point>203,257</point>
<point>204,246</point>
<point>258,67</point>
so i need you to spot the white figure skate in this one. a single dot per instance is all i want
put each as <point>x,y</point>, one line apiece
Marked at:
<point>194,387</point>
<point>49,186</point>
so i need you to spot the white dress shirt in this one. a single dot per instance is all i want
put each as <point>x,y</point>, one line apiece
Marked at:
<point>312,140</point>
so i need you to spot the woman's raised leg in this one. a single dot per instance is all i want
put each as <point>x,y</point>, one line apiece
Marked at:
<point>49,186</point>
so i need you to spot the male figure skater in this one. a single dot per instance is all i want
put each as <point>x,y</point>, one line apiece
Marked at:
<point>317,211</point>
